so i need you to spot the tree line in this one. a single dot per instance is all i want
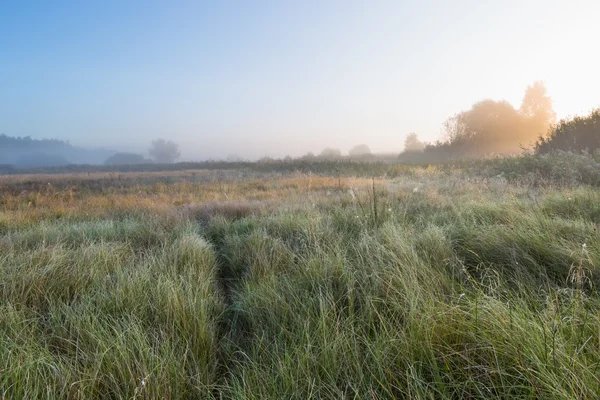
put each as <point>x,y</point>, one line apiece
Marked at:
<point>161,151</point>
<point>25,152</point>
<point>28,152</point>
<point>492,128</point>
<point>488,128</point>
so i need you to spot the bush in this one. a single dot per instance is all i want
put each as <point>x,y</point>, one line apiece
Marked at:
<point>558,167</point>
<point>577,134</point>
<point>126,159</point>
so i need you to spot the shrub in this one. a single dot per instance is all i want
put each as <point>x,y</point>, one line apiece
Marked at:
<point>578,134</point>
<point>126,159</point>
<point>558,167</point>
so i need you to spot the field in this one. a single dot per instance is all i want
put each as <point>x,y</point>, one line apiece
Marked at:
<point>238,283</point>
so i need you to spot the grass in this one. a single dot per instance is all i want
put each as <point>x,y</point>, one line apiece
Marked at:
<point>435,283</point>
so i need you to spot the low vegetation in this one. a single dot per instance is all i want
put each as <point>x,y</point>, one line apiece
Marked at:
<point>577,134</point>
<point>470,280</point>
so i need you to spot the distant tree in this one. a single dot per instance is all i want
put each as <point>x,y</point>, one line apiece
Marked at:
<point>455,128</point>
<point>492,127</point>
<point>28,143</point>
<point>537,109</point>
<point>15,150</point>
<point>330,154</point>
<point>413,144</point>
<point>360,150</point>
<point>310,156</point>
<point>126,159</point>
<point>488,127</point>
<point>164,151</point>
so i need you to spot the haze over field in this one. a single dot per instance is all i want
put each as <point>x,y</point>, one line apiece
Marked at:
<point>275,78</point>
<point>299,199</point>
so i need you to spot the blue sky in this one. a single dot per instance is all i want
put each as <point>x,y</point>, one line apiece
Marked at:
<point>282,77</point>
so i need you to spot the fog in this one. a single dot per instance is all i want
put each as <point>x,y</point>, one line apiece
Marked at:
<point>276,78</point>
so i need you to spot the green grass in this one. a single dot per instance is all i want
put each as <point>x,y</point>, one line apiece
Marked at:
<point>470,286</point>
<point>99,316</point>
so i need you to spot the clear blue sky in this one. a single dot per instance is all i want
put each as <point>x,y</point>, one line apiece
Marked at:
<point>282,77</point>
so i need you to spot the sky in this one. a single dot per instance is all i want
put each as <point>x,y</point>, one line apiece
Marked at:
<point>272,78</point>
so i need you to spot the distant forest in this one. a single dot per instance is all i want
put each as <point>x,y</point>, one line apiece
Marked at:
<point>25,152</point>
<point>489,128</point>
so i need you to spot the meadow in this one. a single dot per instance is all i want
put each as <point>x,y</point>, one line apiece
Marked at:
<point>474,280</point>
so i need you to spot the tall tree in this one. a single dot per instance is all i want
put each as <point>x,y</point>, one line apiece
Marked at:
<point>488,127</point>
<point>537,108</point>
<point>412,143</point>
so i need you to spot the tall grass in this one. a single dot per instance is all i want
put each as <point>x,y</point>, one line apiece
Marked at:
<point>433,284</point>
<point>108,315</point>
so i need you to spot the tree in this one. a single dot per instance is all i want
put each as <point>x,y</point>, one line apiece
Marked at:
<point>308,156</point>
<point>455,129</point>
<point>537,108</point>
<point>494,127</point>
<point>412,143</point>
<point>488,127</point>
<point>360,150</point>
<point>329,153</point>
<point>164,151</point>
<point>126,159</point>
